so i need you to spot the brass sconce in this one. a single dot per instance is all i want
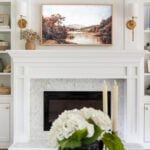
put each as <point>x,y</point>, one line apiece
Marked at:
<point>22,23</point>
<point>133,12</point>
<point>22,11</point>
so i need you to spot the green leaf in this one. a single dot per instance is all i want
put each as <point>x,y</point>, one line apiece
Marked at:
<point>69,143</point>
<point>80,134</point>
<point>97,133</point>
<point>74,141</point>
<point>112,141</point>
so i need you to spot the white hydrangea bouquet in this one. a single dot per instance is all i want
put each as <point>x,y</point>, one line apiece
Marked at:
<point>77,129</point>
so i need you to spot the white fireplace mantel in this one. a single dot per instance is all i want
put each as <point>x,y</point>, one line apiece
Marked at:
<point>83,64</point>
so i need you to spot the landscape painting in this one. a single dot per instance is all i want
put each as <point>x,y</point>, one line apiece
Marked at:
<point>76,24</point>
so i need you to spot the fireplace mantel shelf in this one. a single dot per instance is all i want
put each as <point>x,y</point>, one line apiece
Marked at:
<point>75,64</point>
<point>82,55</point>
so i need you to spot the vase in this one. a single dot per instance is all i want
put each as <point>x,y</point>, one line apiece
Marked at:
<point>30,45</point>
<point>95,146</point>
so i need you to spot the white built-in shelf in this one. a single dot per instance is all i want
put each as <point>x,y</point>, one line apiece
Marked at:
<point>146,99</point>
<point>147,96</point>
<point>5,98</point>
<point>146,31</point>
<point>146,74</point>
<point>3,51</point>
<point>4,74</point>
<point>5,1</point>
<point>147,52</point>
<point>5,30</point>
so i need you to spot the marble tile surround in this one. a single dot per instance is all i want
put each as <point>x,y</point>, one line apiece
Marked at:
<point>40,85</point>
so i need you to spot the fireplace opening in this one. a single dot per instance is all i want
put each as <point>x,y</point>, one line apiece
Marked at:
<point>55,102</point>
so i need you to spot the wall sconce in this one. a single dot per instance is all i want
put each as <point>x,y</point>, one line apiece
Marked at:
<point>133,12</point>
<point>22,11</point>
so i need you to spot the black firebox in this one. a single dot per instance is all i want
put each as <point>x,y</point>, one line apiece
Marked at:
<point>55,102</point>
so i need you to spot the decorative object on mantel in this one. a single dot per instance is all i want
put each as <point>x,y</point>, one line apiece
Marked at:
<point>1,65</point>
<point>30,36</point>
<point>84,129</point>
<point>4,45</point>
<point>133,13</point>
<point>7,68</point>
<point>4,90</point>
<point>61,25</point>
<point>22,11</point>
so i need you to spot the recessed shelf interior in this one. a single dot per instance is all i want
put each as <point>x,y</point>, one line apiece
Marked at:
<point>5,80</point>
<point>6,36</point>
<point>147,57</point>
<point>146,85</point>
<point>147,53</point>
<point>146,23</point>
<point>5,9</point>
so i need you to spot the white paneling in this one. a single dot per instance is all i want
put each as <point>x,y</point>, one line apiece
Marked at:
<point>78,71</point>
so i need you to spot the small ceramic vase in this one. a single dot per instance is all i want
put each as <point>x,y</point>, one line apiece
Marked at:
<point>30,45</point>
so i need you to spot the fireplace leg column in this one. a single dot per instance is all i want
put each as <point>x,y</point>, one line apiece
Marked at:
<point>21,107</point>
<point>132,111</point>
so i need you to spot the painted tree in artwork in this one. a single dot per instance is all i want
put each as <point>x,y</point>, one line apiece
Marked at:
<point>105,30</point>
<point>53,28</point>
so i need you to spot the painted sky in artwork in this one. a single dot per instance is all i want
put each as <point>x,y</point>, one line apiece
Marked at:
<point>84,15</point>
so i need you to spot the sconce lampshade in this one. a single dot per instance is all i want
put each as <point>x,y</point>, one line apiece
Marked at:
<point>22,8</point>
<point>133,9</point>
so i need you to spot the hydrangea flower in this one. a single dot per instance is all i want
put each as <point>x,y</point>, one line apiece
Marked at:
<point>70,121</point>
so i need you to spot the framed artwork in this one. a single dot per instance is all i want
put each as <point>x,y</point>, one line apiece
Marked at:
<point>4,20</point>
<point>77,24</point>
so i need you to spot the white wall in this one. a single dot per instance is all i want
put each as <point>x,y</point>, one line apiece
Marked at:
<point>121,36</point>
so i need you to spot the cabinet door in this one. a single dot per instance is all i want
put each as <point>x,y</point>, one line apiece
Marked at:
<point>4,122</point>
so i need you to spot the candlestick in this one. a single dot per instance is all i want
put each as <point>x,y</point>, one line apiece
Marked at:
<point>115,106</point>
<point>105,97</point>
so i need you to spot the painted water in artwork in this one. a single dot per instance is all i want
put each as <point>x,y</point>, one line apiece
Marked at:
<point>77,24</point>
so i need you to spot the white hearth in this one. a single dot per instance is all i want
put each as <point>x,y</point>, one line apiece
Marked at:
<point>34,71</point>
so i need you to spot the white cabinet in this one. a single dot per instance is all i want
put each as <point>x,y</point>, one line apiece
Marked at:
<point>4,122</point>
<point>147,122</point>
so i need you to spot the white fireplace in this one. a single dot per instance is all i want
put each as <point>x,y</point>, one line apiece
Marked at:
<point>36,71</point>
